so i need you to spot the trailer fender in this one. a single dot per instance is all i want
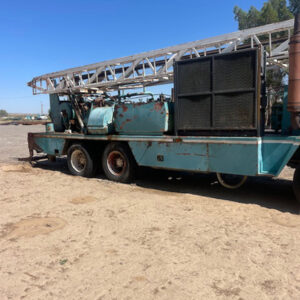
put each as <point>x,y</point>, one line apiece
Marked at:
<point>276,153</point>
<point>51,146</point>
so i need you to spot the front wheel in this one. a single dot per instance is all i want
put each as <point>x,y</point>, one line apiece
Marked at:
<point>118,163</point>
<point>79,161</point>
<point>296,183</point>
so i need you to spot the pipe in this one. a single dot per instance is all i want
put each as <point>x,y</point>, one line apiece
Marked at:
<point>294,75</point>
<point>76,108</point>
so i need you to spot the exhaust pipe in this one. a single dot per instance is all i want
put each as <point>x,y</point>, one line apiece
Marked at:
<point>294,75</point>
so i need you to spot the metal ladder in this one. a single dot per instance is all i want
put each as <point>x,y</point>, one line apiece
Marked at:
<point>156,66</point>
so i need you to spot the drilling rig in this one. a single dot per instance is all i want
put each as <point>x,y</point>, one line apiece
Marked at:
<point>213,121</point>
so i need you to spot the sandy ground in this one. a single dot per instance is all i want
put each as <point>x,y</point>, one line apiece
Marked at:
<point>164,237</point>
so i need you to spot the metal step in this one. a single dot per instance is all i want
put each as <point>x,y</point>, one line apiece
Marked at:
<point>156,66</point>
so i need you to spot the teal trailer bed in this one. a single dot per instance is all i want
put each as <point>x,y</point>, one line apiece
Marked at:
<point>249,156</point>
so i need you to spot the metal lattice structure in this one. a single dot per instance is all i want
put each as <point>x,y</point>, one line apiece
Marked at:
<point>156,66</point>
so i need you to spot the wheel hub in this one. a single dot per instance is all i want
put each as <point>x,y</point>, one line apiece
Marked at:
<point>78,160</point>
<point>116,163</point>
<point>119,162</point>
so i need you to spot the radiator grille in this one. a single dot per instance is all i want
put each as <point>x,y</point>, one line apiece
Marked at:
<point>190,81</point>
<point>241,117</point>
<point>195,112</point>
<point>233,72</point>
<point>217,93</point>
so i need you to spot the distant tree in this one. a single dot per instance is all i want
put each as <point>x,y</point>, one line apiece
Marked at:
<point>3,113</point>
<point>271,12</point>
<point>294,6</point>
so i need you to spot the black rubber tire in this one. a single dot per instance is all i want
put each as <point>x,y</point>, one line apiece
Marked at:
<point>89,169</point>
<point>127,171</point>
<point>296,183</point>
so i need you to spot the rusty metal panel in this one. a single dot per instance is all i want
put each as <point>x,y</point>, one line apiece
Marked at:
<point>143,118</point>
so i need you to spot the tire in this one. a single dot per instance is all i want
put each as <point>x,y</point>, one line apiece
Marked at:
<point>80,162</point>
<point>118,163</point>
<point>296,183</point>
<point>231,181</point>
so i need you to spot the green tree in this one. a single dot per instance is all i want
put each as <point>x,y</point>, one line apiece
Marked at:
<point>294,6</point>
<point>271,12</point>
<point>3,113</point>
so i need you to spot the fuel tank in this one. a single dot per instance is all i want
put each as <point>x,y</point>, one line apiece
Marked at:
<point>152,118</point>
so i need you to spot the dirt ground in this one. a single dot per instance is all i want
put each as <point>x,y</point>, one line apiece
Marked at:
<point>168,236</point>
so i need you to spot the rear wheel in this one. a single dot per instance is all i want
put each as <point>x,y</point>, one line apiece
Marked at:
<point>80,162</point>
<point>296,183</point>
<point>231,181</point>
<point>118,163</point>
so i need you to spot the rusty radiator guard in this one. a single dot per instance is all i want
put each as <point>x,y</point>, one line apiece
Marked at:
<point>219,95</point>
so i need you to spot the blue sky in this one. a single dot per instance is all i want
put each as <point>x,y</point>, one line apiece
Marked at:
<point>38,37</point>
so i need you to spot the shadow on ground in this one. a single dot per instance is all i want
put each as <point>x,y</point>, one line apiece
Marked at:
<point>267,192</point>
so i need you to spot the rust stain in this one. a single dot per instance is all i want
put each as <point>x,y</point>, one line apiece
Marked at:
<point>124,123</point>
<point>121,115</point>
<point>124,108</point>
<point>158,106</point>
<point>137,104</point>
<point>177,140</point>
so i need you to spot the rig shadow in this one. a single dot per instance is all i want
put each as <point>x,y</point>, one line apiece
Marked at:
<point>272,193</point>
